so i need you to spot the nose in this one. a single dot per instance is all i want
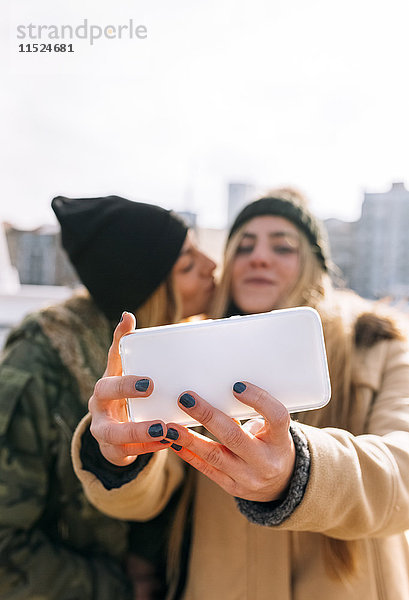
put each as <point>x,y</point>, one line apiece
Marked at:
<point>261,256</point>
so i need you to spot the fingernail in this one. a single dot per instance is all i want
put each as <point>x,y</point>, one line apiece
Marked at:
<point>155,430</point>
<point>172,434</point>
<point>122,317</point>
<point>142,385</point>
<point>187,401</point>
<point>239,387</point>
<point>176,447</point>
<point>164,442</point>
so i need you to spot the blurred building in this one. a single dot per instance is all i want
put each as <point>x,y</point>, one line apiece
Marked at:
<point>17,299</point>
<point>39,258</point>
<point>341,236</point>
<point>239,194</point>
<point>382,244</point>
<point>189,217</point>
<point>373,252</point>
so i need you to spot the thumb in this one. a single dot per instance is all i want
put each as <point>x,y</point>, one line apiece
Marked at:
<point>126,325</point>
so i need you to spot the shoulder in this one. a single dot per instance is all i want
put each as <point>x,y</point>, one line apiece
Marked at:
<point>30,354</point>
<point>379,337</point>
<point>30,369</point>
<point>369,322</point>
<point>26,343</point>
<point>379,324</point>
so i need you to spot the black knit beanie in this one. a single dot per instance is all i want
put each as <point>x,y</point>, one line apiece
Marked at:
<point>292,208</point>
<point>121,250</point>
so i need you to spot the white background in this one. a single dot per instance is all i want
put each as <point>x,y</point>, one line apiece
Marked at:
<point>313,94</point>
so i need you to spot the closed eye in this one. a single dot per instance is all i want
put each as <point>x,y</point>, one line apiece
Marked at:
<point>245,249</point>
<point>284,249</point>
<point>188,267</point>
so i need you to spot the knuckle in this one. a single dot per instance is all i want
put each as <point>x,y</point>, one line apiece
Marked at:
<point>113,454</point>
<point>123,388</point>
<point>96,431</point>
<point>191,459</point>
<point>206,414</point>
<point>91,403</point>
<point>206,469</point>
<point>234,437</point>
<point>268,474</point>
<point>105,433</point>
<point>214,456</point>
<point>186,441</point>
<point>233,488</point>
<point>129,449</point>
<point>283,418</point>
<point>262,397</point>
<point>98,388</point>
<point>133,434</point>
<point>253,484</point>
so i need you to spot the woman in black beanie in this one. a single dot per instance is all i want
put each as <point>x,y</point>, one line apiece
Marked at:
<point>135,256</point>
<point>313,506</point>
<point>129,256</point>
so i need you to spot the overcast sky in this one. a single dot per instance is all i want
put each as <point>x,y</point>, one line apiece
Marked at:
<point>313,94</point>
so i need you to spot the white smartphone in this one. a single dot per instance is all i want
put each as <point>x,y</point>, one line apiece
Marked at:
<point>281,351</point>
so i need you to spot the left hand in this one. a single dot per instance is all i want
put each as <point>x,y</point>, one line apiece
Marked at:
<point>254,461</point>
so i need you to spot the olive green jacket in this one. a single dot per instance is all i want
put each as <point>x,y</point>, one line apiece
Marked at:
<point>53,543</point>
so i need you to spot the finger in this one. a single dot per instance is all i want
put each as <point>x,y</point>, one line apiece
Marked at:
<point>274,412</point>
<point>126,325</point>
<point>225,429</point>
<point>254,426</point>
<point>109,432</point>
<point>211,451</point>
<point>127,453</point>
<point>119,387</point>
<point>201,464</point>
<point>120,443</point>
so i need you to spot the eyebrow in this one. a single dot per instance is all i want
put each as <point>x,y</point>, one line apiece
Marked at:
<point>271,235</point>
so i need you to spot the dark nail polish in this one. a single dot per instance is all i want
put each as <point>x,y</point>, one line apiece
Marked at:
<point>239,387</point>
<point>176,447</point>
<point>164,442</point>
<point>187,401</point>
<point>142,385</point>
<point>155,430</point>
<point>172,434</point>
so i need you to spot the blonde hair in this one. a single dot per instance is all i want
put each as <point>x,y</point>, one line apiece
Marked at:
<point>314,288</point>
<point>163,307</point>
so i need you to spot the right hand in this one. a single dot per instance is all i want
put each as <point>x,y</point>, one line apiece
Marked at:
<point>120,440</point>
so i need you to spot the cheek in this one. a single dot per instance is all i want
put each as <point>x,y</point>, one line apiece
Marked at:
<point>189,287</point>
<point>239,267</point>
<point>237,273</point>
<point>291,270</point>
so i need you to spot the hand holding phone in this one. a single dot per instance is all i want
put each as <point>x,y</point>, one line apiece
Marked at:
<point>281,351</point>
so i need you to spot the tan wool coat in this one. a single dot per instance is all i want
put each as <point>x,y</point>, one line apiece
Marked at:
<point>358,489</point>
